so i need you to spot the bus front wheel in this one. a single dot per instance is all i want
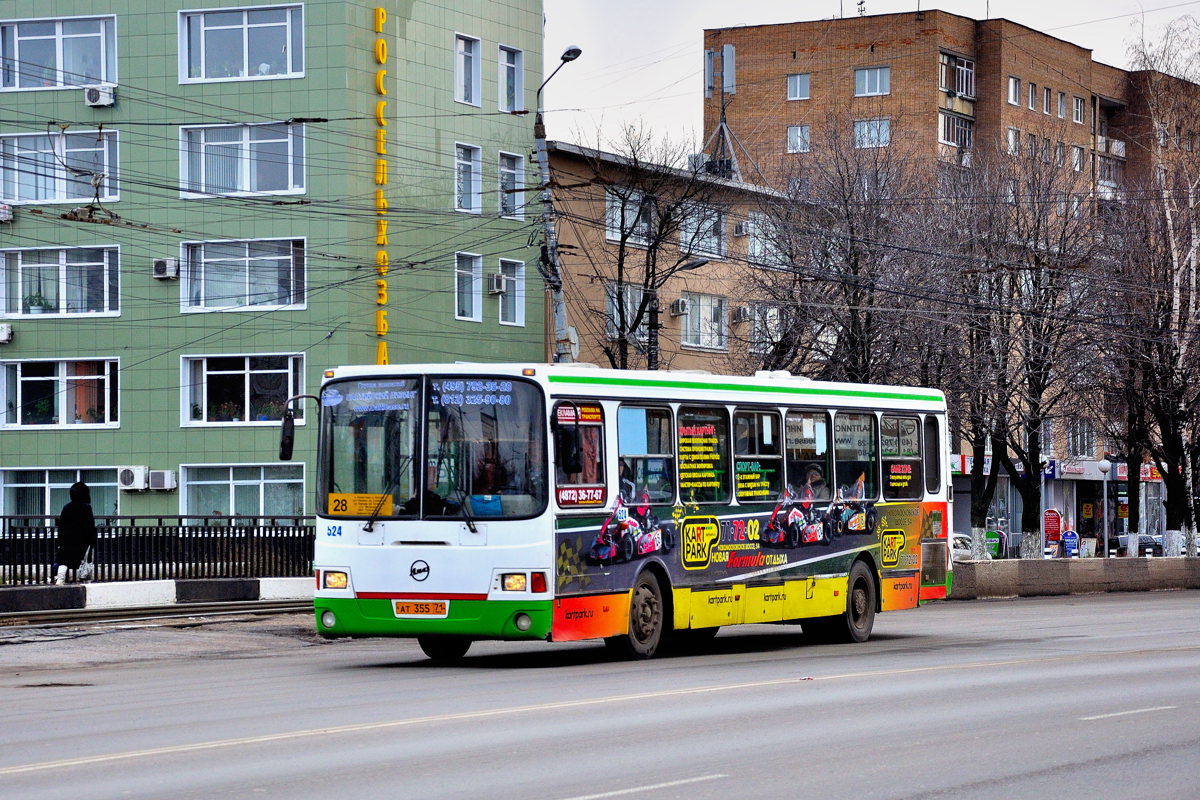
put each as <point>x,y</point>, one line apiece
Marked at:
<point>444,648</point>
<point>647,619</point>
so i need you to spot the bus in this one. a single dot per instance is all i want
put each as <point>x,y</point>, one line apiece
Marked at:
<point>562,502</point>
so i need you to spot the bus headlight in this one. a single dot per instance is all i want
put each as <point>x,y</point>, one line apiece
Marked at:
<point>336,580</point>
<point>523,622</point>
<point>514,582</point>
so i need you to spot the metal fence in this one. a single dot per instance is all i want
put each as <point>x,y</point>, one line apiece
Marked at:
<point>154,548</point>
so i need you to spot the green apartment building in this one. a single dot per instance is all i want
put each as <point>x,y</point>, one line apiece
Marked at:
<point>205,205</point>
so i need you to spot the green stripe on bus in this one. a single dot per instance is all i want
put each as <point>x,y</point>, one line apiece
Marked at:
<point>709,386</point>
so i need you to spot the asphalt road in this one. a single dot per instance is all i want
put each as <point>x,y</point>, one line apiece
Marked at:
<point>1095,696</point>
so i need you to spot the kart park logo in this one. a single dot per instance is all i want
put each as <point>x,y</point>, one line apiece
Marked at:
<point>699,536</point>
<point>893,543</point>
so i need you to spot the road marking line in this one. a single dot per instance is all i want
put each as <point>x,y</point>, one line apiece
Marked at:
<point>648,788</point>
<point>1127,713</point>
<point>564,704</point>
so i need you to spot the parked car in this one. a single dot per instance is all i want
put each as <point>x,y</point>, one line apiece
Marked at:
<point>1147,545</point>
<point>960,547</point>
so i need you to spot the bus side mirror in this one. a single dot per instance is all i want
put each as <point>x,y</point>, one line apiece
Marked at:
<point>287,435</point>
<point>568,449</point>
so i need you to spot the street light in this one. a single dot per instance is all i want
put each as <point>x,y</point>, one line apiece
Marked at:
<point>550,271</point>
<point>652,333</point>
<point>1105,466</point>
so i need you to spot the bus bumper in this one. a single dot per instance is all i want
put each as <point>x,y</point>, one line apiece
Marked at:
<point>338,617</point>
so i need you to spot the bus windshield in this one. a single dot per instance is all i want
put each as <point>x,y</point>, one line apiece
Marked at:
<point>438,447</point>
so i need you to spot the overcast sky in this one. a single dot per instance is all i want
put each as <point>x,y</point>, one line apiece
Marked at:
<point>642,59</point>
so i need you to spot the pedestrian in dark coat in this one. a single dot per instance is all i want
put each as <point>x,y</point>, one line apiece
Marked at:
<point>76,531</point>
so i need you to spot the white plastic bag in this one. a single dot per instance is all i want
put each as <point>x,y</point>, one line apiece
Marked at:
<point>86,568</point>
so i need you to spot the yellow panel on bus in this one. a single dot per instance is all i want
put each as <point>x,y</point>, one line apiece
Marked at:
<point>815,597</point>
<point>717,607</point>
<point>765,603</point>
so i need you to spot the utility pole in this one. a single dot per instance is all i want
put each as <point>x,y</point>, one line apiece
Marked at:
<point>549,268</point>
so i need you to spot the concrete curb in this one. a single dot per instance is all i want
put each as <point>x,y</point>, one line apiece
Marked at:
<point>129,594</point>
<point>974,580</point>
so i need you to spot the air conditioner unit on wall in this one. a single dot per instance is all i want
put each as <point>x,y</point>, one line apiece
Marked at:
<point>6,332</point>
<point>166,269</point>
<point>99,96</point>
<point>131,479</point>
<point>680,307</point>
<point>162,479</point>
<point>497,283</point>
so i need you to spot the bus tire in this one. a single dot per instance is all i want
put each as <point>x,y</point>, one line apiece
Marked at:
<point>647,621</point>
<point>444,648</point>
<point>855,624</point>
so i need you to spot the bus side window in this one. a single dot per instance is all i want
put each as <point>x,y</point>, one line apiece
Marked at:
<point>646,455</point>
<point>900,447</point>
<point>704,455</point>
<point>756,454</point>
<point>933,455</point>
<point>809,466</point>
<point>587,434</point>
<point>856,455</point>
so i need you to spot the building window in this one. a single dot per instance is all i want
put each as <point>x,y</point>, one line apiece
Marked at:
<point>467,186</point>
<point>762,249</point>
<point>706,322</point>
<point>1077,158</point>
<point>243,491</point>
<point>512,79</point>
<point>1081,439</point>
<point>798,138</point>
<point>628,216</point>
<point>798,86</point>
<point>77,280</point>
<point>872,133</point>
<point>512,301</point>
<point>1046,99</point>
<point>242,44</point>
<point>1046,150</point>
<point>42,493</point>
<point>243,159</point>
<point>248,275</point>
<point>468,287</point>
<point>871,81</point>
<point>957,75</point>
<point>766,328</point>
<point>59,392</point>
<point>1077,110</point>
<point>702,231</point>
<point>956,130</point>
<point>1062,105</point>
<point>512,199</point>
<point>1014,141</point>
<point>1033,96</point>
<point>1014,90</point>
<point>1060,154</point>
<point>1031,146</point>
<point>60,167</point>
<point>629,297</point>
<point>1108,171</point>
<point>49,53</point>
<point>466,69</point>
<point>241,388</point>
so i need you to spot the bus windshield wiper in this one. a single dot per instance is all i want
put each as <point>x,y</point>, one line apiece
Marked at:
<point>378,510</point>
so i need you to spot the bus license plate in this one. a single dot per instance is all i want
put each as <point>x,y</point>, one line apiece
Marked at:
<point>421,608</point>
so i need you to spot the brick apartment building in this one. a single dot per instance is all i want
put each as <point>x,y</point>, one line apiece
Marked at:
<point>941,83</point>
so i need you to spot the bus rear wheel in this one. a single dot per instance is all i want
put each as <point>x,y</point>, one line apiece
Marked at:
<point>647,619</point>
<point>444,648</point>
<point>859,618</point>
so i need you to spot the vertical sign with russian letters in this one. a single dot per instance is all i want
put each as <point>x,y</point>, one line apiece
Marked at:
<point>381,181</point>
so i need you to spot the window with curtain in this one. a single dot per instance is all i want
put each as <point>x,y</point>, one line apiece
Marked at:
<point>243,492</point>
<point>243,159</point>
<point>79,280</point>
<point>58,167</point>
<point>241,389</point>
<point>242,44</point>
<point>59,393</point>
<point>50,53</point>
<point>246,275</point>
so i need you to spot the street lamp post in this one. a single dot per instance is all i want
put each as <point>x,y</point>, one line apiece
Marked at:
<point>653,326</point>
<point>1105,466</point>
<point>550,271</point>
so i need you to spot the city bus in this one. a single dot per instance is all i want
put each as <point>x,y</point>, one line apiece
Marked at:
<point>563,502</point>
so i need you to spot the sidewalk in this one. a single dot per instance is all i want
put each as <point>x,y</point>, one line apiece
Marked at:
<point>126,594</point>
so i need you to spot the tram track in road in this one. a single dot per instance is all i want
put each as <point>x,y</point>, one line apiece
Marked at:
<point>94,616</point>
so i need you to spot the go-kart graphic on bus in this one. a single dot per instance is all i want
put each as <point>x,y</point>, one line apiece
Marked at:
<point>631,533</point>
<point>797,521</point>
